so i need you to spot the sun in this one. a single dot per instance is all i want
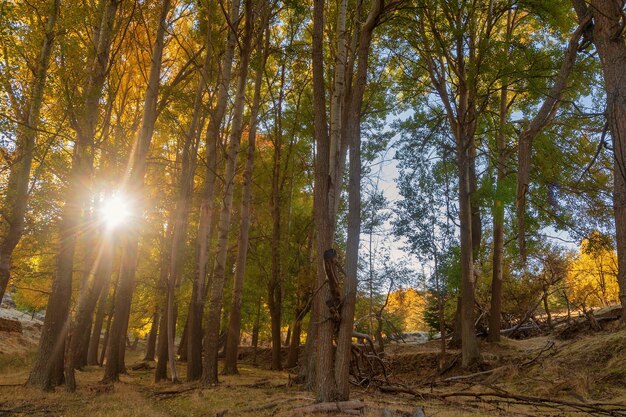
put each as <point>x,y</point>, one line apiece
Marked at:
<point>115,211</point>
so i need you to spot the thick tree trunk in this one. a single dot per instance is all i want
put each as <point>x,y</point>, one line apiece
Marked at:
<point>16,198</point>
<point>137,168</point>
<point>48,366</point>
<point>209,371</point>
<point>608,18</point>
<point>326,386</point>
<point>234,323</point>
<point>152,338</point>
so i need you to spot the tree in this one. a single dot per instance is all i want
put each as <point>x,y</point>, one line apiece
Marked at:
<point>27,115</point>
<point>134,187</point>
<point>209,370</point>
<point>234,323</point>
<point>602,21</point>
<point>48,368</point>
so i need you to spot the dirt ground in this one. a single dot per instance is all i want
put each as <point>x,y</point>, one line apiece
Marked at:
<point>541,376</point>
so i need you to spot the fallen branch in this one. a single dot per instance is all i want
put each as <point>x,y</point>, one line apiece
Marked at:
<point>469,376</point>
<point>546,348</point>
<point>173,391</point>
<point>596,408</point>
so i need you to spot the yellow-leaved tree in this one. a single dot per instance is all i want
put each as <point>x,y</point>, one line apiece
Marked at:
<point>592,280</point>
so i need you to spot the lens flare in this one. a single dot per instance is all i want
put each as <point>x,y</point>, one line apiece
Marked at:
<point>115,211</point>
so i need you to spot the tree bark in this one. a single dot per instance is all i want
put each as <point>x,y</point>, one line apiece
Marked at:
<point>469,344</point>
<point>234,323</point>
<point>205,229</point>
<point>16,199</point>
<point>608,19</point>
<point>324,219</point>
<point>209,371</point>
<point>352,136</point>
<point>134,188</point>
<point>48,367</point>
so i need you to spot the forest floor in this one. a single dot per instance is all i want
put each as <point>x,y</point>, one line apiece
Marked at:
<point>541,376</point>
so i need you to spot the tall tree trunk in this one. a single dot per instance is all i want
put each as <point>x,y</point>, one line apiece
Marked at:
<point>234,323</point>
<point>498,215</point>
<point>135,190</point>
<point>152,337</point>
<point>209,371</point>
<point>608,19</point>
<point>183,204</point>
<point>352,134</point>
<point>16,198</point>
<point>324,220</point>
<point>207,215</point>
<point>48,367</point>
<point>274,286</point>
<point>469,344</point>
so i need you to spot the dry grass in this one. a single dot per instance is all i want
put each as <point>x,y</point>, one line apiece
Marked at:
<point>589,367</point>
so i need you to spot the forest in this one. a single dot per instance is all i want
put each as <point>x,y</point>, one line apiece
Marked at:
<point>279,207</point>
